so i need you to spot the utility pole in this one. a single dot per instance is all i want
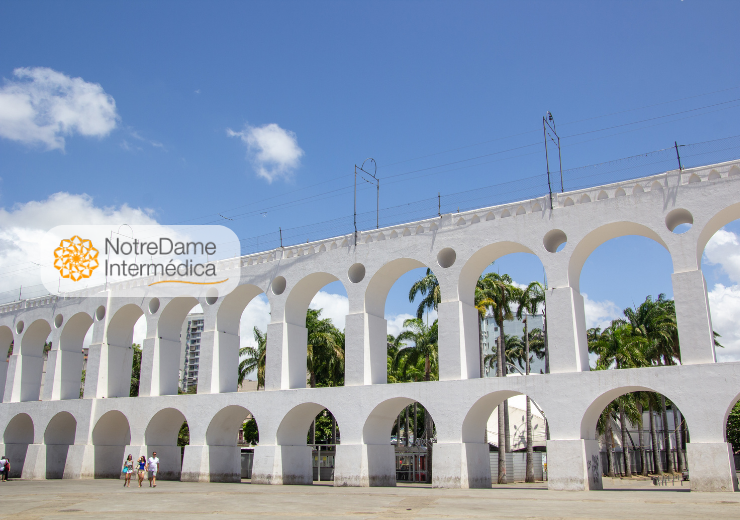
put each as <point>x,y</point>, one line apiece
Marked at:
<point>678,156</point>
<point>376,182</point>
<point>548,129</point>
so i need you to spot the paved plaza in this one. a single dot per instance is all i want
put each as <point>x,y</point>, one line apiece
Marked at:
<point>107,499</point>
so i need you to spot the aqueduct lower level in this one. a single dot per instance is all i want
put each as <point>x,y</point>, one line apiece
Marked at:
<point>52,433</point>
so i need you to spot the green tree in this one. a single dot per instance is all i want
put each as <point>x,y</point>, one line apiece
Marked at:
<point>425,347</point>
<point>135,371</point>
<point>183,437</point>
<point>428,289</point>
<point>251,432</point>
<point>733,428</point>
<point>325,352</point>
<point>254,359</point>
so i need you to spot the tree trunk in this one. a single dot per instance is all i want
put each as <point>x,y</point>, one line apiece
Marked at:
<point>610,444</point>
<point>313,432</point>
<point>333,429</point>
<point>625,449</point>
<point>507,436</point>
<point>501,420</point>
<point>677,428</point>
<point>407,426</point>
<point>529,474</point>
<point>544,333</point>
<point>429,434</point>
<point>669,460</point>
<point>657,465</point>
<point>481,352</point>
<point>427,368</point>
<point>416,429</point>
<point>643,458</point>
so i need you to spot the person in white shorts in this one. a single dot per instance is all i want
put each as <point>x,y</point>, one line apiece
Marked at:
<point>152,466</point>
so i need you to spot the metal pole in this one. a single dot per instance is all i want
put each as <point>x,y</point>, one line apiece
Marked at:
<point>560,161</point>
<point>678,156</point>
<point>355,213</point>
<point>439,204</point>
<point>547,160</point>
<point>281,237</point>
<point>318,451</point>
<point>377,208</point>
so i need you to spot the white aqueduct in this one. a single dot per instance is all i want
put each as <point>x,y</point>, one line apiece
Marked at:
<point>59,435</point>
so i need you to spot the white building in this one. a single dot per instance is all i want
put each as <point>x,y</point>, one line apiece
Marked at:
<point>192,328</point>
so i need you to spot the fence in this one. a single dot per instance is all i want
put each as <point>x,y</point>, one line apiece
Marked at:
<point>636,461</point>
<point>516,466</point>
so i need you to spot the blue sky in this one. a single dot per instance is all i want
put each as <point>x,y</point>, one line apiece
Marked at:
<point>318,87</point>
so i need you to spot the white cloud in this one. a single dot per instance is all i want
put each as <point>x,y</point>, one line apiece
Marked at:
<point>723,249</point>
<point>334,306</point>
<point>273,151</point>
<point>257,314</point>
<point>41,106</point>
<point>23,229</point>
<point>600,314</point>
<point>724,303</point>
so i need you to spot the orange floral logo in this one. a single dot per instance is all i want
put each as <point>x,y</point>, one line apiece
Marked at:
<point>76,258</point>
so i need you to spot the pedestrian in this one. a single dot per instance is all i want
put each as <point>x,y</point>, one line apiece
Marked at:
<point>2,469</point>
<point>142,469</point>
<point>6,473</point>
<point>128,470</point>
<point>152,466</point>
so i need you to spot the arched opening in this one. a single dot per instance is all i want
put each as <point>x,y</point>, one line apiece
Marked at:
<point>19,433</point>
<point>124,360</point>
<point>719,250</point>
<point>6,349</point>
<point>315,334</point>
<point>162,436</point>
<point>245,308</point>
<point>229,460</point>
<point>305,437</point>
<point>110,437</point>
<point>165,376</point>
<point>639,264</point>
<point>524,439</point>
<point>400,436</point>
<point>732,426</point>
<point>401,302</point>
<point>34,350</point>
<point>640,432</point>
<point>71,357</point>
<point>58,437</point>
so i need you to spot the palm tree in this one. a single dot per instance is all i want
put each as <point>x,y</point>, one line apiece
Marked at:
<point>425,339</point>
<point>501,291</point>
<point>529,301</point>
<point>428,288</point>
<point>254,359</point>
<point>325,352</point>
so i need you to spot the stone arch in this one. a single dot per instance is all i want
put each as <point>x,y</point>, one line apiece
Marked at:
<point>228,320</point>
<point>568,202</point>
<point>224,456</point>
<point>59,436</point>
<point>32,359</point>
<point>602,195</point>
<point>293,428</point>
<point>620,192</point>
<point>119,338</point>
<point>70,352</point>
<point>19,433</point>
<point>656,186</point>
<point>6,338</point>
<point>694,178</point>
<point>376,295</point>
<point>296,306</point>
<point>591,414</point>
<point>714,175</point>
<point>110,437</point>
<point>376,437</point>
<point>597,237</point>
<point>584,198</point>
<point>637,189</point>
<point>165,380</point>
<point>161,436</point>
<point>717,222</point>
<point>20,430</point>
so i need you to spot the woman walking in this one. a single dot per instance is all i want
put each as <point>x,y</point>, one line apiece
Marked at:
<point>142,469</point>
<point>128,470</point>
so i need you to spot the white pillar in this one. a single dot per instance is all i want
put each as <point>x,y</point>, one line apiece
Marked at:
<point>459,349</point>
<point>694,320</point>
<point>461,465</point>
<point>711,466</point>
<point>365,350</point>
<point>63,371</point>
<point>566,330</point>
<point>573,465</point>
<point>23,382</point>
<point>365,465</point>
<point>287,465</point>
<point>160,365</point>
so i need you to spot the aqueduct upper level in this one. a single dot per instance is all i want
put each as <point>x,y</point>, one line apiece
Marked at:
<point>457,247</point>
